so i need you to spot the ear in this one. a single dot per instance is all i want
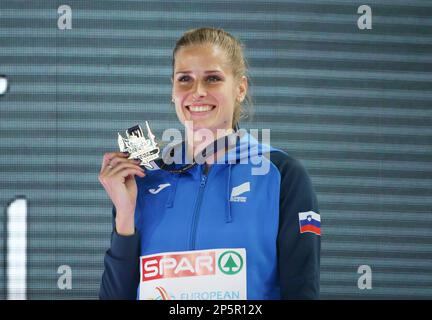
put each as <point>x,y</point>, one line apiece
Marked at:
<point>172,90</point>
<point>242,89</point>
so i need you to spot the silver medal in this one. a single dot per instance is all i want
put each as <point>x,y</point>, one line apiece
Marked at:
<point>139,147</point>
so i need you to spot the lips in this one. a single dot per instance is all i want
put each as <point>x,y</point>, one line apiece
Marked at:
<point>198,109</point>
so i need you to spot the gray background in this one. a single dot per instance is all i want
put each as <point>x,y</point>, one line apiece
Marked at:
<point>353,105</point>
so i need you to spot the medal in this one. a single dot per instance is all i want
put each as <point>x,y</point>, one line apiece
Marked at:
<point>139,147</point>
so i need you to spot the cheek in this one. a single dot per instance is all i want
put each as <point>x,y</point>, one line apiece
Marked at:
<point>227,105</point>
<point>180,113</point>
<point>223,99</point>
<point>178,93</point>
<point>179,98</point>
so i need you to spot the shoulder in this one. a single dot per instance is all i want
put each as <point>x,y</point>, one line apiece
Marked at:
<point>296,187</point>
<point>288,166</point>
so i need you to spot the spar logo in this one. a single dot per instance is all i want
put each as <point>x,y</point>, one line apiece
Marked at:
<point>190,264</point>
<point>230,262</point>
<point>174,265</point>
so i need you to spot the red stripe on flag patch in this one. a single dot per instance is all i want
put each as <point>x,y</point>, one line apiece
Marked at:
<point>310,228</point>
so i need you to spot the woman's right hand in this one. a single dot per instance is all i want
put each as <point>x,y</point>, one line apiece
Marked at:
<point>117,176</point>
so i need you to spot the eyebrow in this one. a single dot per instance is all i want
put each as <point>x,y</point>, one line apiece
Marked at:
<point>208,71</point>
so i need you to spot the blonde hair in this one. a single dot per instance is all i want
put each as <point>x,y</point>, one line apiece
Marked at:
<point>233,49</point>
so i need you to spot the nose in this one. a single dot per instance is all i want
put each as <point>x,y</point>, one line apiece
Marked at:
<point>199,91</point>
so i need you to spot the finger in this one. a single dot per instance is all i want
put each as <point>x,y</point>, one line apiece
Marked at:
<point>117,160</point>
<point>121,167</point>
<point>115,163</point>
<point>130,172</point>
<point>109,156</point>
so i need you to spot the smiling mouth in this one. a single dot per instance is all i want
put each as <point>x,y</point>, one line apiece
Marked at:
<point>200,109</point>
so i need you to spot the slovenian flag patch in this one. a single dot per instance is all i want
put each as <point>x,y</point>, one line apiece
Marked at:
<point>310,222</point>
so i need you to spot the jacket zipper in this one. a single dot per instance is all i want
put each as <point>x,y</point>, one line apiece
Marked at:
<point>197,210</point>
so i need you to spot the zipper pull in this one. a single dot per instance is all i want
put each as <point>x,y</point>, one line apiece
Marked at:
<point>203,181</point>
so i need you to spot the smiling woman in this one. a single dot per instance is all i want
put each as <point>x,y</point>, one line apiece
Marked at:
<point>209,83</point>
<point>220,225</point>
<point>209,67</point>
<point>204,88</point>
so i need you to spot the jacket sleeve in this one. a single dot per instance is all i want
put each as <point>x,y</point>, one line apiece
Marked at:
<point>298,253</point>
<point>120,278</point>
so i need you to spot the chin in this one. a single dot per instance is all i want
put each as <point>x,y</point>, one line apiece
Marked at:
<point>198,125</point>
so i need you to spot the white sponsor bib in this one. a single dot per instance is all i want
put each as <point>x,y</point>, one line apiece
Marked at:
<point>217,274</point>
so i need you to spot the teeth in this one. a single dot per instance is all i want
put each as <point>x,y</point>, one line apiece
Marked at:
<point>203,108</point>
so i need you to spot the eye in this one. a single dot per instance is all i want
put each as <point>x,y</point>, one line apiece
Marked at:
<point>213,78</point>
<point>184,78</point>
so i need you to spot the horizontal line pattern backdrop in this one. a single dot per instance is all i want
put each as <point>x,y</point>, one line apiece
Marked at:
<point>355,106</point>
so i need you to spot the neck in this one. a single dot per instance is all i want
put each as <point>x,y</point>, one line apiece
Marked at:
<point>200,139</point>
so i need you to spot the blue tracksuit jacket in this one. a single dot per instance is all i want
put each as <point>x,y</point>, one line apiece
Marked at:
<point>196,211</point>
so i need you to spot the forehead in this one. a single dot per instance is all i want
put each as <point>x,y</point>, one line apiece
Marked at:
<point>201,58</point>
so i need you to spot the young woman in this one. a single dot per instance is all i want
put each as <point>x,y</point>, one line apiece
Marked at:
<point>268,223</point>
